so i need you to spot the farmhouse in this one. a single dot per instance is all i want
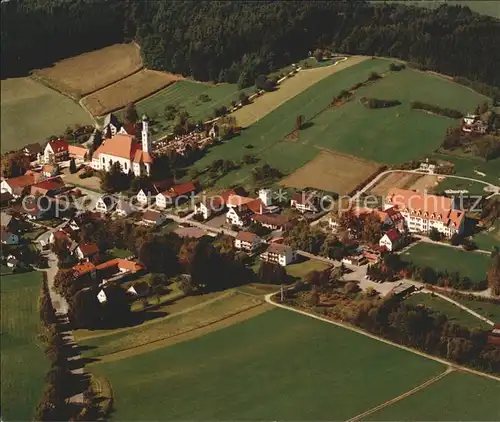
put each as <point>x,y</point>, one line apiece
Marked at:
<point>391,240</point>
<point>472,123</point>
<point>56,151</point>
<point>87,251</point>
<point>247,241</point>
<point>153,218</point>
<point>166,198</point>
<point>17,186</point>
<point>84,268</point>
<point>127,151</point>
<point>80,154</point>
<point>105,204</point>
<point>279,254</point>
<point>274,222</point>
<point>47,187</point>
<point>305,202</point>
<point>425,212</point>
<point>111,126</point>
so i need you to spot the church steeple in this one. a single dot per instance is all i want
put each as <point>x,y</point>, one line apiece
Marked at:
<point>146,142</point>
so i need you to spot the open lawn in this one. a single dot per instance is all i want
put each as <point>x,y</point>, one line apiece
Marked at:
<point>457,397</point>
<point>129,90</point>
<point>23,363</point>
<point>88,72</point>
<point>275,366</point>
<point>120,253</point>
<point>147,334</point>
<point>332,172</point>
<point>450,183</point>
<point>468,167</point>
<point>487,309</point>
<point>469,264</point>
<point>31,112</point>
<point>487,240</point>
<point>301,269</point>
<point>391,135</point>
<point>452,312</point>
<point>305,78</point>
<point>186,96</point>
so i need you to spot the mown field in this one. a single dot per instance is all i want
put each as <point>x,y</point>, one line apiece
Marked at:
<point>473,188</point>
<point>489,310</point>
<point>468,167</point>
<point>129,90</point>
<point>275,366</point>
<point>31,112</point>
<point>453,312</point>
<point>88,72</point>
<point>23,363</point>
<point>469,264</point>
<point>457,397</point>
<point>391,135</point>
<point>487,240</point>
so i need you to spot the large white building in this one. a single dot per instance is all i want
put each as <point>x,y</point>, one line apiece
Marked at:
<point>422,213</point>
<point>126,150</point>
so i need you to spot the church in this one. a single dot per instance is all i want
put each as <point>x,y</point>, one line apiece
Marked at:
<point>132,155</point>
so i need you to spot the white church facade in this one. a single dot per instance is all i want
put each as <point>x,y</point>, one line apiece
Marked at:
<point>125,149</point>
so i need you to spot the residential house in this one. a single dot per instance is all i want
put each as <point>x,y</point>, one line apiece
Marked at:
<point>80,154</point>
<point>123,208</point>
<point>279,254</point>
<point>8,238</point>
<point>36,208</point>
<point>238,216</point>
<point>117,268</point>
<point>153,218</point>
<point>129,129</point>
<point>140,289</point>
<point>176,193</point>
<point>17,186</point>
<point>145,195</point>
<point>83,269</point>
<point>59,235</point>
<point>356,260</point>
<point>56,151</point>
<point>47,187</point>
<point>87,251</point>
<point>422,212</point>
<point>111,126</point>
<point>213,205</point>
<point>133,156</point>
<point>50,170</point>
<point>305,202</point>
<point>33,151</point>
<point>391,240</point>
<point>12,261</point>
<point>247,241</point>
<point>473,124</point>
<point>101,296</point>
<point>105,204</point>
<point>274,222</point>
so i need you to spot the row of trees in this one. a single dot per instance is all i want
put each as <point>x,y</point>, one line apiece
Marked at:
<point>378,103</point>
<point>238,41</point>
<point>442,111</point>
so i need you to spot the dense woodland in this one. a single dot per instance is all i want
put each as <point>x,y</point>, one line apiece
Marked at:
<point>237,41</point>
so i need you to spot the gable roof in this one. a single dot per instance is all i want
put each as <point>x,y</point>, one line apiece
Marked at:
<point>83,268</point>
<point>58,145</point>
<point>49,184</point>
<point>183,189</point>
<point>33,149</point>
<point>77,151</point>
<point>151,215</point>
<point>237,200</point>
<point>393,235</point>
<point>111,118</point>
<point>123,146</point>
<point>22,181</point>
<point>247,237</point>
<point>279,220</point>
<point>278,248</point>
<point>88,249</point>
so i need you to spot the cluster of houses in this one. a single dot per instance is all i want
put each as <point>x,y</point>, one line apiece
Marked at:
<point>472,123</point>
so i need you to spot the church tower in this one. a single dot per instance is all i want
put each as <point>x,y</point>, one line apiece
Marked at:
<point>146,142</point>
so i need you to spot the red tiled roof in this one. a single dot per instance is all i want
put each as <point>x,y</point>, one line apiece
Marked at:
<point>83,268</point>
<point>237,200</point>
<point>50,184</point>
<point>257,206</point>
<point>247,237</point>
<point>393,235</point>
<point>179,190</point>
<point>59,145</point>
<point>88,249</point>
<point>123,146</point>
<point>123,264</point>
<point>22,181</point>
<point>77,151</point>
<point>275,220</point>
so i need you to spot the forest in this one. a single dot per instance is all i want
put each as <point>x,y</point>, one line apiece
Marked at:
<point>237,41</point>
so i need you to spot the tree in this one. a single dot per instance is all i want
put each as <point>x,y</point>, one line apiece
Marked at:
<point>72,166</point>
<point>64,282</point>
<point>299,121</point>
<point>243,98</point>
<point>270,273</point>
<point>262,82</point>
<point>494,272</point>
<point>318,54</point>
<point>130,113</point>
<point>14,164</point>
<point>435,235</point>
<point>372,228</point>
<point>115,180</point>
<point>84,310</point>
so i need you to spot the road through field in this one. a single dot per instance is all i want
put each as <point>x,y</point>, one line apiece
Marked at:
<point>291,87</point>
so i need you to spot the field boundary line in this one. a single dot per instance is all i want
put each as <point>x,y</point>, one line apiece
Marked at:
<point>269,300</point>
<point>101,358</point>
<point>403,396</point>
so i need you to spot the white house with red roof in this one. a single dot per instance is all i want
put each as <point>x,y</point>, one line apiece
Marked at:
<point>56,150</point>
<point>422,213</point>
<point>247,241</point>
<point>133,156</point>
<point>391,240</point>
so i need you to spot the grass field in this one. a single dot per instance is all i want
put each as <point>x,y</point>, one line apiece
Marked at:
<point>489,310</point>
<point>469,264</point>
<point>332,172</point>
<point>275,366</point>
<point>458,396</point>
<point>390,135</point>
<point>204,314</point>
<point>129,90</point>
<point>474,188</point>
<point>466,166</point>
<point>410,181</point>
<point>186,95</point>
<point>301,269</point>
<point>453,312</point>
<point>88,72</point>
<point>23,363</point>
<point>489,239</point>
<point>31,112</point>
<point>302,80</point>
